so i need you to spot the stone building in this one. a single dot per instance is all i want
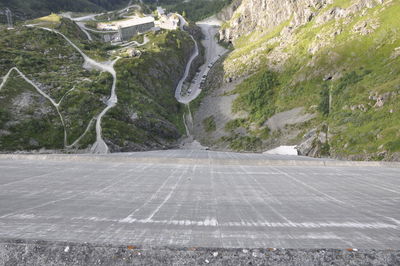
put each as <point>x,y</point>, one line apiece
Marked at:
<point>129,28</point>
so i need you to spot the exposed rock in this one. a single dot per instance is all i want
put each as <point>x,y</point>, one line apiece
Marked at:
<point>313,144</point>
<point>268,14</point>
<point>33,142</point>
<point>359,107</point>
<point>132,52</point>
<point>380,99</point>
<point>366,27</point>
<point>134,116</point>
<point>4,132</point>
<point>291,117</point>
<point>227,12</point>
<point>396,53</point>
<point>339,13</point>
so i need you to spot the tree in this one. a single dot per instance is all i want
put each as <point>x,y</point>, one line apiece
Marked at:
<point>323,105</point>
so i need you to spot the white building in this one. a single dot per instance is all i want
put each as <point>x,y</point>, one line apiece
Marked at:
<point>160,11</point>
<point>115,25</point>
<point>168,22</point>
<point>129,28</point>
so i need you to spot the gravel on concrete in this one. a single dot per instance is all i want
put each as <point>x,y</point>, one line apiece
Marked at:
<point>22,252</point>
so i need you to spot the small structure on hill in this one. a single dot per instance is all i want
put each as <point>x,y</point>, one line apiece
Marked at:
<point>129,28</point>
<point>160,11</point>
<point>168,22</point>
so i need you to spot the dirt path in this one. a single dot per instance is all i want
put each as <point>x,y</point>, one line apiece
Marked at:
<point>56,105</point>
<point>99,146</point>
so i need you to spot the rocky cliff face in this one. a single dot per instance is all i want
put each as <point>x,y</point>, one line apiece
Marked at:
<point>266,14</point>
<point>253,14</point>
<point>227,12</point>
<point>337,60</point>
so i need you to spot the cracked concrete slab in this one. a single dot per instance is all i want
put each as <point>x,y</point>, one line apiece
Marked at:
<point>211,205</point>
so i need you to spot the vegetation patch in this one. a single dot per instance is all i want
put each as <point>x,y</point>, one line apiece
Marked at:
<point>350,79</point>
<point>209,124</point>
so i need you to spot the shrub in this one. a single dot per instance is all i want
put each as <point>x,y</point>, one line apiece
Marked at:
<point>209,124</point>
<point>323,106</point>
<point>393,146</point>
<point>234,124</point>
<point>245,143</point>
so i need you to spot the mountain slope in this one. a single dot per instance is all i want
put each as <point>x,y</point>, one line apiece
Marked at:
<point>323,74</point>
<point>145,117</point>
<point>24,9</point>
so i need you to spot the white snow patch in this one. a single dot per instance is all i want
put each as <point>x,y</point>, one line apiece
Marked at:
<point>283,150</point>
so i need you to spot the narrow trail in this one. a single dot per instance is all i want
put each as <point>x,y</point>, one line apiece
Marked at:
<point>85,30</point>
<point>185,121</point>
<point>56,105</point>
<point>99,146</point>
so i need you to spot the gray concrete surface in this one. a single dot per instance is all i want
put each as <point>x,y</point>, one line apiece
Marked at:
<point>125,198</point>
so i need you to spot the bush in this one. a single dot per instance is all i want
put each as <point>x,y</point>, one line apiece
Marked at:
<point>393,146</point>
<point>209,124</point>
<point>349,79</point>
<point>245,143</point>
<point>323,106</point>
<point>234,124</point>
<point>257,96</point>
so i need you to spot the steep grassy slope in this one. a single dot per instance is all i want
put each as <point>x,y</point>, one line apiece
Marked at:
<point>194,10</point>
<point>146,116</point>
<point>24,9</point>
<point>343,69</point>
<point>29,120</point>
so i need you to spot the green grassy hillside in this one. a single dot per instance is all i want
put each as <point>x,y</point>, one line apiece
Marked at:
<point>352,63</point>
<point>37,8</point>
<point>146,117</point>
<point>194,10</point>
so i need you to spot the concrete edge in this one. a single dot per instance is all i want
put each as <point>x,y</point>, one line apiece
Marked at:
<point>42,252</point>
<point>192,161</point>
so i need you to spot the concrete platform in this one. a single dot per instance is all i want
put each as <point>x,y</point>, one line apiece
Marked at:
<point>127,199</point>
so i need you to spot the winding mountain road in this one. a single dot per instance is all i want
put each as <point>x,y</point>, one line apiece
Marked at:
<point>213,51</point>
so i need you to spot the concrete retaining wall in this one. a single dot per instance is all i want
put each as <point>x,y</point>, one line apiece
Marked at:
<point>201,161</point>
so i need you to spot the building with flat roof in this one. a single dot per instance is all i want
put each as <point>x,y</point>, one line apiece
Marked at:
<point>128,29</point>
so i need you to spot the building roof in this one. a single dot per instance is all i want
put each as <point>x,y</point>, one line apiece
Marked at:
<point>135,22</point>
<point>160,10</point>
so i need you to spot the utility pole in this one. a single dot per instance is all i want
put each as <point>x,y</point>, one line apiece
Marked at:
<point>9,19</point>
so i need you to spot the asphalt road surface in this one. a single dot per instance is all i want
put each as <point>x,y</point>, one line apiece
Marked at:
<point>206,203</point>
